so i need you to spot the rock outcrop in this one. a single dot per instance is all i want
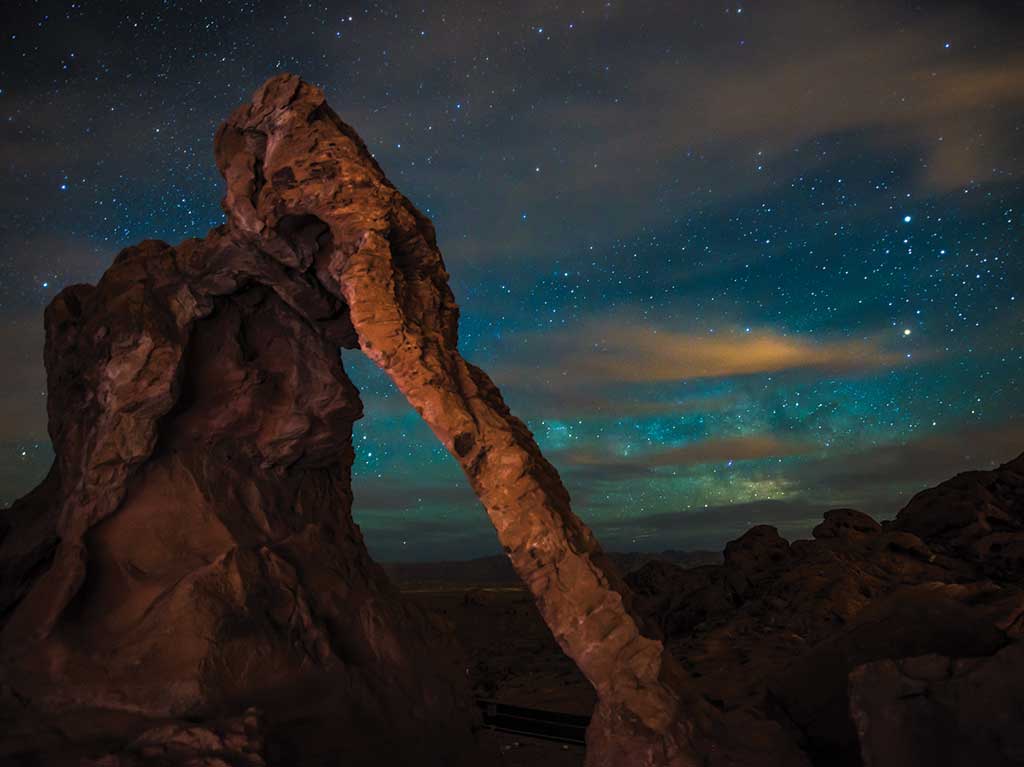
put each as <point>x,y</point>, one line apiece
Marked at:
<point>874,640</point>
<point>302,184</point>
<point>936,710</point>
<point>187,585</point>
<point>977,516</point>
<point>192,552</point>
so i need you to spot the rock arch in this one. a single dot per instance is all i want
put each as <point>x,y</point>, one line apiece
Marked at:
<point>286,155</point>
<point>320,252</point>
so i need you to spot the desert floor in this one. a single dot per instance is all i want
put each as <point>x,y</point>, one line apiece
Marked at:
<point>512,659</point>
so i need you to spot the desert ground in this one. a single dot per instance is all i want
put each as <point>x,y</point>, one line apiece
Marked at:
<point>513,659</point>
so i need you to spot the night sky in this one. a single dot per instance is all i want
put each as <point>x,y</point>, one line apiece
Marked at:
<point>733,264</point>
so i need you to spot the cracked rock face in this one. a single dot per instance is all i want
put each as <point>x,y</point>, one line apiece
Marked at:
<point>192,552</point>
<point>933,709</point>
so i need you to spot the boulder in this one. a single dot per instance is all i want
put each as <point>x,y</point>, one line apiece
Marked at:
<point>934,710</point>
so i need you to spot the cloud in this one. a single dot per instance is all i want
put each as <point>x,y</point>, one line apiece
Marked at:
<point>32,261</point>
<point>415,517</point>
<point>609,402</point>
<point>54,259</point>
<point>879,480</point>
<point>882,478</point>
<point>611,352</point>
<point>765,103</point>
<point>391,495</point>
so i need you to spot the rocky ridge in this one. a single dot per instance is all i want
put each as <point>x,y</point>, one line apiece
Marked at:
<point>878,644</point>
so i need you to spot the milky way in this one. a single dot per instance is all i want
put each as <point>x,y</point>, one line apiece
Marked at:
<point>733,265</point>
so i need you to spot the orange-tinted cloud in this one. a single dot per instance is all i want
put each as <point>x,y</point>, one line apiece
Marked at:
<point>622,352</point>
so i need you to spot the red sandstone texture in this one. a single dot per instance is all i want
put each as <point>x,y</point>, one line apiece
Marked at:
<point>187,585</point>
<point>193,548</point>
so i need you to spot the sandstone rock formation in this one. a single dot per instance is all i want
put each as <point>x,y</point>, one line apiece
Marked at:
<point>886,641</point>
<point>187,586</point>
<point>301,180</point>
<point>936,710</point>
<point>192,552</point>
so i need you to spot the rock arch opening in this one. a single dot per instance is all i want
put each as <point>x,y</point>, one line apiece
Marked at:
<point>320,252</point>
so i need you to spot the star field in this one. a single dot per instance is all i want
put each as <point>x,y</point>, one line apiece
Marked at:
<point>733,264</point>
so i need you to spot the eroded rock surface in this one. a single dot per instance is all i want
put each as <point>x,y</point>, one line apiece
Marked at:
<point>232,742</point>
<point>780,627</point>
<point>936,710</point>
<point>193,548</point>
<point>202,539</point>
<point>192,555</point>
<point>192,551</point>
<point>301,180</point>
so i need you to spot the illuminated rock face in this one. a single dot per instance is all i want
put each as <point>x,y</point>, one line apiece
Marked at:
<point>192,553</point>
<point>302,183</point>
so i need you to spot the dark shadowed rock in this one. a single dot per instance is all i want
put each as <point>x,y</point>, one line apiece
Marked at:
<point>936,710</point>
<point>756,555</point>
<point>232,742</point>
<point>192,552</point>
<point>846,523</point>
<point>203,537</point>
<point>977,515</point>
<point>813,688</point>
<point>779,627</point>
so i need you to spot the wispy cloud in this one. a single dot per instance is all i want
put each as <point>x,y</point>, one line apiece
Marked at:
<point>880,479</point>
<point>610,352</point>
<point>539,400</point>
<point>763,103</point>
<point>713,450</point>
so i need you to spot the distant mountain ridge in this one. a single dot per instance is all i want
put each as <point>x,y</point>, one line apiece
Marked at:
<point>497,569</point>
